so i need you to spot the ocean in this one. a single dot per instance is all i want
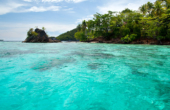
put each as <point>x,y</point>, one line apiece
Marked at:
<point>84,76</point>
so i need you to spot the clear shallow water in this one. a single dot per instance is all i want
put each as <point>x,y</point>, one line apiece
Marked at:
<point>82,76</point>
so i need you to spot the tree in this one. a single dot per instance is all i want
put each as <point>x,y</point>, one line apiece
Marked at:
<point>150,7</point>
<point>158,9</point>
<point>31,33</point>
<point>143,9</point>
<point>153,21</point>
<point>166,3</point>
<point>79,27</point>
<point>80,36</point>
<point>84,26</point>
<point>43,28</point>
<point>127,10</point>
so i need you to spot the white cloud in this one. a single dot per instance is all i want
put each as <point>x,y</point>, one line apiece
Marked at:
<point>14,7</point>
<point>52,0</point>
<point>120,5</point>
<point>18,31</point>
<point>28,0</point>
<point>69,10</point>
<point>9,7</point>
<point>75,1</point>
<point>42,9</point>
<point>18,8</point>
<point>89,17</point>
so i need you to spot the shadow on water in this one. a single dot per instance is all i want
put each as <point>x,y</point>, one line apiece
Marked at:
<point>13,53</point>
<point>94,66</point>
<point>96,106</point>
<point>92,55</point>
<point>163,89</point>
<point>48,64</point>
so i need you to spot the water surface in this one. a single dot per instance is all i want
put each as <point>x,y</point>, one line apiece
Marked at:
<point>84,76</point>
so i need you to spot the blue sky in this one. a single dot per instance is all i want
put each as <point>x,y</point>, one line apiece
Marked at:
<point>57,16</point>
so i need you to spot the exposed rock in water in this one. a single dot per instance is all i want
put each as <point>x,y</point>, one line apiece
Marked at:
<point>53,40</point>
<point>41,37</point>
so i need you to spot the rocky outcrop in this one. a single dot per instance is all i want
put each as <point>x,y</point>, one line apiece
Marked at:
<point>53,40</point>
<point>39,36</point>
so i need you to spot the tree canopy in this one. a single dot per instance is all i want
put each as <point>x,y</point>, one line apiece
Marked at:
<point>151,21</point>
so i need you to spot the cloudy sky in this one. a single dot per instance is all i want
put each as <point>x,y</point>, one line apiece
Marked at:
<point>57,16</point>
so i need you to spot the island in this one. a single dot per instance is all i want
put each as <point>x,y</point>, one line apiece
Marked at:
<point>39,36</point>
<point>149,25</point>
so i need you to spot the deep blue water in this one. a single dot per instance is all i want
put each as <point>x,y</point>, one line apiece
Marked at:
<point>84,76</point>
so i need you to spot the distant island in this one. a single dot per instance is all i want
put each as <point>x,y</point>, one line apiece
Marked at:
<point>149,25</point>
<point>1,40</point>
<point>39,36</point>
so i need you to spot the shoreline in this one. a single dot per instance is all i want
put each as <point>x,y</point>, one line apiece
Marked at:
<point>100,42</point>
<point>119,41</point>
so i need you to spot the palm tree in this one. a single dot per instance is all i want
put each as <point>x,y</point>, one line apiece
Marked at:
<point>143,9</point>
<point>79,27</point>
<point>166,3</point>
<point>158,9</point>
<point>97,20</point>
<point>84,26</point>
<point>150,7</point>
<point>90,25</point>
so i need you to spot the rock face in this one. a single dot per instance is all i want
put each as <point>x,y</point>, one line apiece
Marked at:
<point>40,38</point>
<point>51,40</point>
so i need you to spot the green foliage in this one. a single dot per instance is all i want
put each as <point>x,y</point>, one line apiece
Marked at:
<point>35,34</point>
<point>68,36</point>
<point>133,37</point>
<point>31,33</point>
<point>80,36</point>
<point>84,25</point>
<point>79,27</point>
<point>137,30</point>
<point>160,37</point>
<point>143,9</point>
<point>158,8</point>
<point>153,22</point>
<point>128,39</point>
<point>90,35</point>
<point>124,31</point>
<point>168,34</point>
<point>43,28</point>
<point>127,10</point>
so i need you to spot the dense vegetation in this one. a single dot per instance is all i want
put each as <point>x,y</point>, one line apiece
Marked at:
<point>31,33</point>
<point>68,36</point>
<point>151,22</point>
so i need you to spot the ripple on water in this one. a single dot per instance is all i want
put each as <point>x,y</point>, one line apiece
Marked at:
<point>48,64</point>
<point>84,76</point>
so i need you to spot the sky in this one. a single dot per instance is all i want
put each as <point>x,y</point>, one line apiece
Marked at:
<point>57,16</point>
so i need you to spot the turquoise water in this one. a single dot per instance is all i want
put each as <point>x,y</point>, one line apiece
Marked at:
<point>83,76</point>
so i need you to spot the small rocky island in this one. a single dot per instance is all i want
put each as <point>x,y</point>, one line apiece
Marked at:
<point>39,36</point>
